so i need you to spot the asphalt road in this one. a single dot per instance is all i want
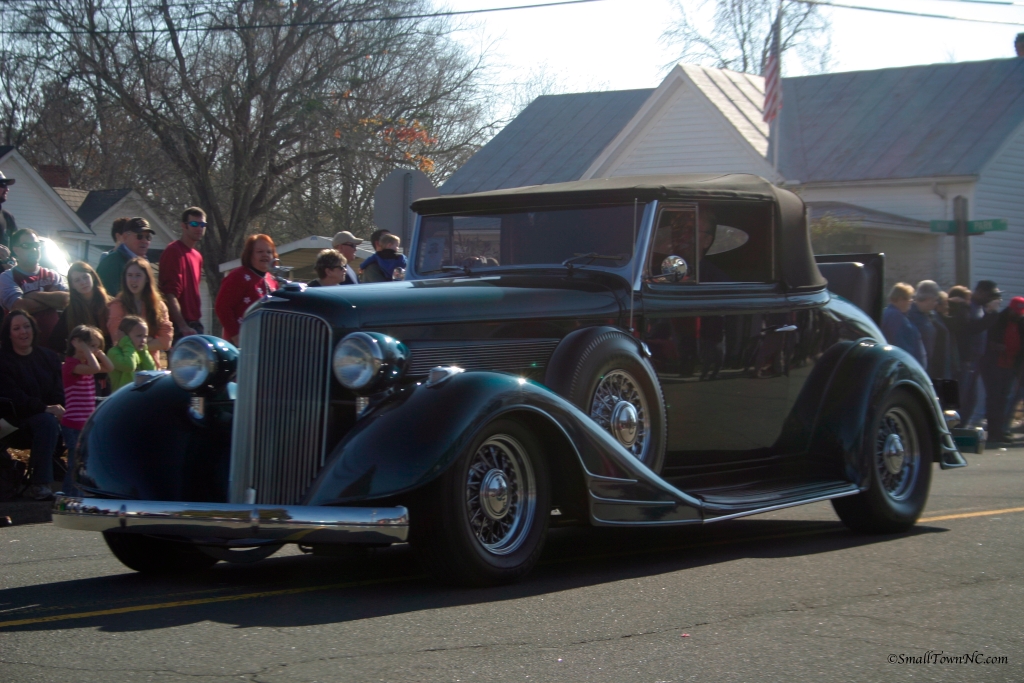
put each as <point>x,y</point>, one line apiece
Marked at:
<point>787,596</point>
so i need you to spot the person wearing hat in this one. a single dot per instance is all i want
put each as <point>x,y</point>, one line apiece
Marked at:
<point>1004,357</point>
<point>978,317</point>
<point>136,238</point>
<point>7,224</point>
<point>346,243</point>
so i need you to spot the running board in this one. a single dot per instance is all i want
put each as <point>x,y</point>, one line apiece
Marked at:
<point>852,490</point>
<point>632,512</point>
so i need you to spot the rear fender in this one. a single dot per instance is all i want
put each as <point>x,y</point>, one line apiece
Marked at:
<point>409,441</point>
<point>867,372</point>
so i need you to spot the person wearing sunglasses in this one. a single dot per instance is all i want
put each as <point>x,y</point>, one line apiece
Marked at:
<point>181,268</point>
<point>346,243</point>
<point>32,288</point>
<point>136,239</point>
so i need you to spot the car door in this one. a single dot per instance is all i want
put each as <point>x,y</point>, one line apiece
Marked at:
<point>720,340</point>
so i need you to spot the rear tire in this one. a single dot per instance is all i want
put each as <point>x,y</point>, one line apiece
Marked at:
<point>151,555</point>
<point>483,522</point>
<point>899,449</point>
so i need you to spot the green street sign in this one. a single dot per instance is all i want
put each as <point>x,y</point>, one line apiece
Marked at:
<point>973,227</point>
<point>990,225</point>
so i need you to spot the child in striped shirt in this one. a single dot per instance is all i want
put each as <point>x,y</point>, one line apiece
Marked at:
<point>85,359</point>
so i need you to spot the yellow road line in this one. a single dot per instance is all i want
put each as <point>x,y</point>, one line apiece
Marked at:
<point>372,582</point>
<point>965,515</point>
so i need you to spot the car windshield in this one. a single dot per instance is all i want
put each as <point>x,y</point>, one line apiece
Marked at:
<point>532,237</point>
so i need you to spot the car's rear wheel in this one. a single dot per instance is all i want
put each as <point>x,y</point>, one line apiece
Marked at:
<point>151,555</point>
<point>899,450</point>
<point>484,521</point>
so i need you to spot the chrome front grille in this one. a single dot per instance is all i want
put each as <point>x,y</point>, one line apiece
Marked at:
<point>280,421</point>
<point>512,355</point>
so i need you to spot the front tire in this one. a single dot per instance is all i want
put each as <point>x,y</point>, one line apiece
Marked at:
<point>483,522</point>
<point>899,449</point>
<point>151,555</point>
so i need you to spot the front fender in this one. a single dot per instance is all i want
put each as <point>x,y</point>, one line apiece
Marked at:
<point>408,442</point>
<point>141,444</point>
<point>867,372</point>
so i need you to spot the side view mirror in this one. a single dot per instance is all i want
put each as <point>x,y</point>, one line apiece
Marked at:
<point>673,269</point>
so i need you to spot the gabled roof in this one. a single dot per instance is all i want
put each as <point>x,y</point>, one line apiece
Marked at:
<point>5,149</point>
<point>72,196</point>
<point>906,122</point>
<point>99,202</point>
<point>553,140</point>
<point>740,98</point>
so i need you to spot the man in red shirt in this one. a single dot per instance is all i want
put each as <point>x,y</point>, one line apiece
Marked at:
<point>181,267</point>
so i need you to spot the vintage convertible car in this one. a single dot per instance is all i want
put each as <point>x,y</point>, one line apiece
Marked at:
<point>643,351</point>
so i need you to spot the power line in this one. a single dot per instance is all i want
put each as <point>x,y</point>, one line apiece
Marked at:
<point>823,3</point>
<point>296,24</point>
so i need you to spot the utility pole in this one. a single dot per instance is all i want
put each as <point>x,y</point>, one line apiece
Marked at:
<point>963,245</point>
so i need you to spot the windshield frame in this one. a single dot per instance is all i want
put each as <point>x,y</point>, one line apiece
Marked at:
<point>631,271</point>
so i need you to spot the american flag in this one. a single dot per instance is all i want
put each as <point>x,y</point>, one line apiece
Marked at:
<point>772,74</point>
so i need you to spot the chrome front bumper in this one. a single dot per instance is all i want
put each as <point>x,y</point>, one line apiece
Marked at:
<point>283,523</point>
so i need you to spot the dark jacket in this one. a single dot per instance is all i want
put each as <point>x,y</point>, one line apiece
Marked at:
<point>996,352</point>
<point>110,269</point>
<point>31,382</point>
<point>900,332</point>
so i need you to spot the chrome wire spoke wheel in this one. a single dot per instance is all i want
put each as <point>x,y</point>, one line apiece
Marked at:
<point>620,407</point>
<point>897,453</point>
<point>501,494</point>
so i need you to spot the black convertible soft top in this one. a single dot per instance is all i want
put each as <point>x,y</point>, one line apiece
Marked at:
<point>605,191</point>
<point>794,257</point>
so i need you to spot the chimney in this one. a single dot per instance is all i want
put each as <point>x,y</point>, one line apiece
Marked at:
<point>60,176</point>
<point>1019,44</point>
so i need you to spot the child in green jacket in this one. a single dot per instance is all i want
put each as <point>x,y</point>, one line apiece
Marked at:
<point>129,354</point>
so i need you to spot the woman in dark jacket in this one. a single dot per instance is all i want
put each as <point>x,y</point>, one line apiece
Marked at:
<point>30,378</point>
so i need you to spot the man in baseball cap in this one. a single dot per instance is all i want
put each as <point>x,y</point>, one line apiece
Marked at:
<point>7,224</point>
<point>346,243</point>
<point>137,237</point>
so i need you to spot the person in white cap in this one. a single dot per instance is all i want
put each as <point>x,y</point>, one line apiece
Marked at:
<point>7,224</point>
<point>346,243</point>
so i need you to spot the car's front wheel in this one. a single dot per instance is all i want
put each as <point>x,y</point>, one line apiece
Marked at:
<point>151,555</point>
<point>484,521</point>
<point>899,450</point>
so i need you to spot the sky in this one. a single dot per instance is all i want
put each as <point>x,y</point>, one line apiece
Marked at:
<point>614,44</point>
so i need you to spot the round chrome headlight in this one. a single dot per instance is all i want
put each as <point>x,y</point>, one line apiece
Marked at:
<point>200,361</point>
<point>365,362</point>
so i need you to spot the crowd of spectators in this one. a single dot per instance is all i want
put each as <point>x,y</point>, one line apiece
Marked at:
<point>107,323</point>
<point>969,337</point>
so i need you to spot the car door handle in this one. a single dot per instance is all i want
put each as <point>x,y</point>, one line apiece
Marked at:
<point>785,328</point>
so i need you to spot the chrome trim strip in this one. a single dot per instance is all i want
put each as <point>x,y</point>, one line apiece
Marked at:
<point>770,508</point>
<point>617,501</point>
<point>286,523</point>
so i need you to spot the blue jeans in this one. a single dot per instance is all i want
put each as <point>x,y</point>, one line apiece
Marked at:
<point>44,429</point>
<point>71,441</point>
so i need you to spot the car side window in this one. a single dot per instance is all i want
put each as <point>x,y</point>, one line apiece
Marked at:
<point>674,241</point>
<point>735,242</point>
